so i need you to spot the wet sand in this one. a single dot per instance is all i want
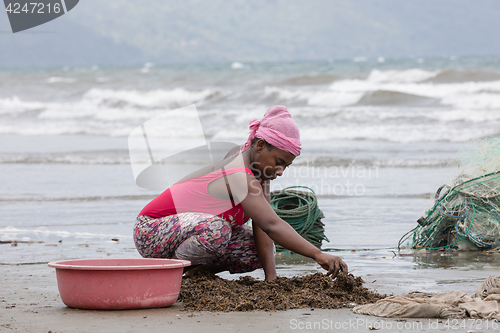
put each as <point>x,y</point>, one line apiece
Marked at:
<point>29,300</point>
<point>30,303</point>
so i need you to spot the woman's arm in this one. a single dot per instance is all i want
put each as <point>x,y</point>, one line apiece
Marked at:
<point>256,206</point>
<point>263,243</point>
<point>265,251</point>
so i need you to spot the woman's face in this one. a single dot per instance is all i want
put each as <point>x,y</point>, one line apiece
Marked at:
<point>269,162</point>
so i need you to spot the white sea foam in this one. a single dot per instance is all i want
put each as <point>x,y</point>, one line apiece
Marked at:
<point>377,129</point>
<point>360,59</point>
<point>313,97</point>
<point>418,115</point>
<point>10,232</point>
<point>474,95</point>
<point>110,104</point>
<point>237,65</point>
<point>59,79</point>
<point>395,133</point>
<point>102,79</point>
<point>401,76</point>
<point>128,107</point>
<point>14,105</point>
<point>147,67</point>
<point>394,105</point>
<point>158,98</point>
<point>333,161</point>
<point>450,93</point>
<point>36,127</point>
<point>368,122</point>
<point>474,101</point>
<point>65,158</point>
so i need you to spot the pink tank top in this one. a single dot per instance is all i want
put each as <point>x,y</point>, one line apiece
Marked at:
<point>192,195</point>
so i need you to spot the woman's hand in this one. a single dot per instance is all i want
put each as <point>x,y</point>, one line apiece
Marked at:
<point>332,264</point>
<point>263,216</point>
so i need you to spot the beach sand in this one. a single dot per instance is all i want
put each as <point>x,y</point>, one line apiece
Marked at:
<point>29,302</point>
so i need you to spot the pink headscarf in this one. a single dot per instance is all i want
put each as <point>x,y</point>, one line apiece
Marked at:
<point>278,129</point>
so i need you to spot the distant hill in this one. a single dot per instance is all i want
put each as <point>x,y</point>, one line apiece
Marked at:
<point>118,32</point>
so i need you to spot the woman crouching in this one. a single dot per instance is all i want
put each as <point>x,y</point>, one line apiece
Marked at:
<point>202,217</point>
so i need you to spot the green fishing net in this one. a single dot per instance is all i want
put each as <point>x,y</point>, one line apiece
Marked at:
<point>466,215</point>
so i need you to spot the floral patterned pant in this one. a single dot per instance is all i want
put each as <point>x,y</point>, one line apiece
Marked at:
<point>198,237</point>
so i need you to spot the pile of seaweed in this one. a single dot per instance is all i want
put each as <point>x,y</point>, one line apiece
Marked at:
<point>211,293</point>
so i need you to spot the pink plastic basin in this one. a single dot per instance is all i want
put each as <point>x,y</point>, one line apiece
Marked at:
<point>111,284</point>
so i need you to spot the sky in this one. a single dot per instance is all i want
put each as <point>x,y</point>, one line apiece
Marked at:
<point>129,32</point>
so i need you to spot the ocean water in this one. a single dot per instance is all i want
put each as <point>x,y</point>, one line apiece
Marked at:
<point>379,137</point>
